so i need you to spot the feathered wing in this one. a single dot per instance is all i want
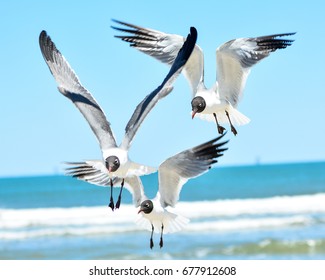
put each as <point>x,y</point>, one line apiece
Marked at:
<point>174,172</point>
<point>70,86</point>
<point>165,88</point>
<point>236,58</point>
<point>95,172</point>
<point>92,171</point>
<point>164,47</point>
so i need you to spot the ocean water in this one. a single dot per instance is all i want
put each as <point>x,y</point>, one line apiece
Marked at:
<point>251,212</point>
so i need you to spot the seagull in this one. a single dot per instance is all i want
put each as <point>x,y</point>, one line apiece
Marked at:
<point>157,214</point>
<point>235,59</point>
<point>116,162</point>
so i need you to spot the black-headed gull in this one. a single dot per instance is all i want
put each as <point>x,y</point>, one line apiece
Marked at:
<point>157,214</point>
<point>116,162</point>
<point>235,59</point>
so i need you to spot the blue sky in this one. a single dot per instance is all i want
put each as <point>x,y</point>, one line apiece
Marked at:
<point>284,96</point>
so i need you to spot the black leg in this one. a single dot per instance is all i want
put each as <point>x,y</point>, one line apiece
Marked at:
<point>111,202</point>
<point>221,129</point>
<point>233,129</point>
<point>151,241</point>
<point>161,243</point>
<point>118,203</point>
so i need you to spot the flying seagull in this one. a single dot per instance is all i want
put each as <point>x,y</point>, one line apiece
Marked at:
<point>235,59</point>
<point>116,162</point>
<point>173,173</point>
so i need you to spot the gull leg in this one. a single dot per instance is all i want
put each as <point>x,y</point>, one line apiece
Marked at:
<point>221,129</point>
<point>151,241</point>
<point>233,129</point>
<point>111,202</point>
<point>118,203</point>
<point>161,243</point>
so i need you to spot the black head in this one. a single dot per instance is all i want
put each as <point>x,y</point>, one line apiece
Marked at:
<point>146,206</point>
<point>112,163</point>
<point>198,105</point>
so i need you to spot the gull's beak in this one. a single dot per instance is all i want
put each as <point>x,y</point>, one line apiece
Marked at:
<point>140,210</point>
<point>193,113</point>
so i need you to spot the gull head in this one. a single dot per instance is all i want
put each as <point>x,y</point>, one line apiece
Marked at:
<point>112,163</point>
<point>198,105</point>
<point>146,207</point>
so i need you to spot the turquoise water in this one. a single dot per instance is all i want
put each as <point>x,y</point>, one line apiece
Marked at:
<point>251,212</point>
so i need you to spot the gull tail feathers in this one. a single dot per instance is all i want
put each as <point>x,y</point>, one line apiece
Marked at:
<point>175,222</point>
<point>236,117</point>
<point>172,222</point>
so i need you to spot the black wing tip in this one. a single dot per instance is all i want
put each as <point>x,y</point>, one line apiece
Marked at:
<point>115,20</point>
<point>120,22</point>
<point>73,162</point>
<point>188,47</point>
<point>275,41</point>
<point>43,34</point>
<point>193,31</point>
<point>43,37</point>
<point>134,27</point>
<point>47,46</point>
<point>215,140</point>
<point>211,149</point>
<point>279,35</point>
<point>284,34</point>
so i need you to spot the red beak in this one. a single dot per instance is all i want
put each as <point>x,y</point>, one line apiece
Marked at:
<point>140,211</point>
<point>193,114</point>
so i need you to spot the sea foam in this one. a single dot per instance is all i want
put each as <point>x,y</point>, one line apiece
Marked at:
<point>219,215</point>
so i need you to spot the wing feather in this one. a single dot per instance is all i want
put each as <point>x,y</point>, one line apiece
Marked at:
<point>163,47</point>
<point>236,58</point>
<point>174,172</point>
<point>147,104</point>
<point>70,86</point>
<point>95,172</point>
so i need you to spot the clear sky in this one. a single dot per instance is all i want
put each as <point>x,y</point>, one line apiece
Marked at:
<point>284,96</point>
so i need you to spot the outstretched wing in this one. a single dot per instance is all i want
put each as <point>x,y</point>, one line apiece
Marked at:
<point>236,58</point>
<point>95,172</point>
<point>178,169</point>
<point>163,47</point>
<point>165,88</point>
<point>70,86</point>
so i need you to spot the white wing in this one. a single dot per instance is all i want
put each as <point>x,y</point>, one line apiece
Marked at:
<point>70,87</point>
<point>174,172</point>
<point>95,172</point>
<point>147,104</point>
<point>164,47</point>
<point>236,58</point>
<point>92,171</point>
